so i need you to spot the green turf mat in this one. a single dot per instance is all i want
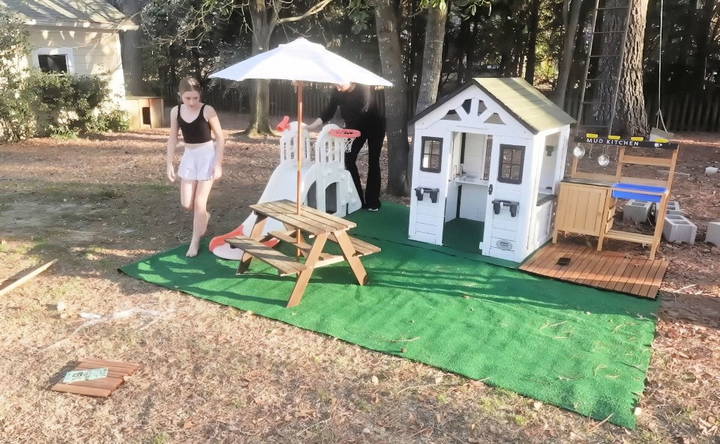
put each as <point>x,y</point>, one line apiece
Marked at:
<point>463,234</point>
<point>391,224</point>
<point>579,348</point>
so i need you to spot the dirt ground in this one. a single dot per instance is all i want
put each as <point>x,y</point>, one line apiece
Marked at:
<point>217,374</point>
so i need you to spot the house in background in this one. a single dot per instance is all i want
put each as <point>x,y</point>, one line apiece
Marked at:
<point>81,37</point>
<point>75,36</point>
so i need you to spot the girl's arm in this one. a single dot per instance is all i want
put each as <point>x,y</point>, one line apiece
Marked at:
<point>212,118</point>
<point>171,144</point>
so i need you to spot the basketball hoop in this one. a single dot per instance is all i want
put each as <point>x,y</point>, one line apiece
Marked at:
<point>345,133</point>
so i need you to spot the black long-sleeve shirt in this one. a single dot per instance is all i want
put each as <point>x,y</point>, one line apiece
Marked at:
<point>357,107</point>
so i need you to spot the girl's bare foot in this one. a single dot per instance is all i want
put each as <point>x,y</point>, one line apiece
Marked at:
<point>193,249</point>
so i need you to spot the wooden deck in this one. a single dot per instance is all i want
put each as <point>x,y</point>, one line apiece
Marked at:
<point>609,270</point>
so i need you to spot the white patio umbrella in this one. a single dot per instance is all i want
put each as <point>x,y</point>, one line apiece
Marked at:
<point>301,61</point>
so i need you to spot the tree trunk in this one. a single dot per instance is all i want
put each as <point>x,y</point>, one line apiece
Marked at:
<point>702,40</point>
<point>472,50</point>
<point>387,30</point>
<point>432,56</point>
<point>417,25</point>
<point>263,27</point>
<point>630,117</point>
<point>463,44</point>
<point>532,41</point>
<point>130,50</point>
<point>568,52</point>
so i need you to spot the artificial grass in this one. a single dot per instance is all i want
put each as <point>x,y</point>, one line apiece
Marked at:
<point>391,224</point>
<point>579,348</point>
<point>463,235</point>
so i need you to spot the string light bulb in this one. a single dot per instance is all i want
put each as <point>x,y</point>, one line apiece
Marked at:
<point>579,151</point>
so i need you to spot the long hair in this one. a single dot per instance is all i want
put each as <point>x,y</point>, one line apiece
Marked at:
<point>189,84</point>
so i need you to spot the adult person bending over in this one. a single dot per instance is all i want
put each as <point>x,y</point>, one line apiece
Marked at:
<point>201,162</point>
<point>360,112</point>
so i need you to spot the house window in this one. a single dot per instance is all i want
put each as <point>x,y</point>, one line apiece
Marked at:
<point>431,154</point>
<point>511,163</point>
<point>53,62</point>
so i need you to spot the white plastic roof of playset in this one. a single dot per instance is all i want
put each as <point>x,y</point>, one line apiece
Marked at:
<point>516,96</point>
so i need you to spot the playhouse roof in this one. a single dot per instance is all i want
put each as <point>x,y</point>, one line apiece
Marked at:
<point>528,105</point>
<point>82,13</point>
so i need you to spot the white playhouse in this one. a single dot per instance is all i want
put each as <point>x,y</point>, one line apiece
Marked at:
<point>487,160</point>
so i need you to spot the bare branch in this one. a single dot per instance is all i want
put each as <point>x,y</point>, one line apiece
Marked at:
<point>312,11</point>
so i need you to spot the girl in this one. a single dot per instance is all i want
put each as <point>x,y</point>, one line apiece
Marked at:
<point>201,162</point>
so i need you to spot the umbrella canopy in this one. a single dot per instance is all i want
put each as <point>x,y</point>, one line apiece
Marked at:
<point>301,60</point>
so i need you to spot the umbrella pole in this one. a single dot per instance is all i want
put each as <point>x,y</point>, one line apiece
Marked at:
<point>298,151</point>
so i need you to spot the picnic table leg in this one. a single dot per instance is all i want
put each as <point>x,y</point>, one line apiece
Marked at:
<point>349,252</point>
<point>299,237</point>
<point>304,276</point>
<point>256,233</point>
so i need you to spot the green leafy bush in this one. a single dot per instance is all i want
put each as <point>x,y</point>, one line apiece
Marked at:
<point>115,121</point>
<point>48,104</point>
<point>17,120</point>
<point>69,105</point>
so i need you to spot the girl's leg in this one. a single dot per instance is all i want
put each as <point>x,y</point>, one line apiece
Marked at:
<point>187,193</point>
<point>200,215</point>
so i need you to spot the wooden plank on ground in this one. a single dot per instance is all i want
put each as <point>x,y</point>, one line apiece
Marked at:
<point>103,387</point>
<point>23,279</point>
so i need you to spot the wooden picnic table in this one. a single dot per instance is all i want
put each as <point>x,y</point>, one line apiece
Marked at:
<point>320,226</point>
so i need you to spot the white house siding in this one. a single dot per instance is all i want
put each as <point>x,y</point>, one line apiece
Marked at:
<point>90,53</point>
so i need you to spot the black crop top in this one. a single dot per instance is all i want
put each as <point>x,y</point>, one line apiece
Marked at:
<point>197,131</point>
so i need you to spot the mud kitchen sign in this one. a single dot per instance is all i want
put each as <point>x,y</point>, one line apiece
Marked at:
<point>631,143</point>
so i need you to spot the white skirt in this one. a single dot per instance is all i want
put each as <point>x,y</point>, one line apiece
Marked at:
<point>198,162</point>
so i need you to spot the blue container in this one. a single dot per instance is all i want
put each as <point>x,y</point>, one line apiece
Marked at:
<point>626,191</point>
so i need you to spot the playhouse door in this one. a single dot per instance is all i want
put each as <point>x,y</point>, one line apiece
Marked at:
<point>502,237</point>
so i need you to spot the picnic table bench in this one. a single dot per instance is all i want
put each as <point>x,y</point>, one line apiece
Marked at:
<point>318,226</point>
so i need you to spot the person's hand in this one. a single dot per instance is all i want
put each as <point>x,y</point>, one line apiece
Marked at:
<point>217,172</point>
<point>171,172</point>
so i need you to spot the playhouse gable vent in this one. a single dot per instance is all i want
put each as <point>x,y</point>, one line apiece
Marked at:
<point>517,97</point>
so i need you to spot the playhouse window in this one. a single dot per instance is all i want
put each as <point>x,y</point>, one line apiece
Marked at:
<point>431,155</point>
<point>511,163</point>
